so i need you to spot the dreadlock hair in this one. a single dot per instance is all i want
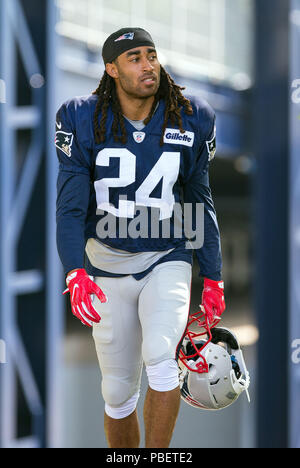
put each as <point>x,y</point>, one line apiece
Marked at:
<point>107,94</point>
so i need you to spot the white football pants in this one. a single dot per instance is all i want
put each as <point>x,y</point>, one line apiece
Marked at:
<point>142,322</point>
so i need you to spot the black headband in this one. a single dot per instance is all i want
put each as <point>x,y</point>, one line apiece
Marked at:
<point>123,40</point>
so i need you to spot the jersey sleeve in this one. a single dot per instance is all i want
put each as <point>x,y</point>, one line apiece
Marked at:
<point>73,153</point>
<point>197,190</point>
<point>73,191</point>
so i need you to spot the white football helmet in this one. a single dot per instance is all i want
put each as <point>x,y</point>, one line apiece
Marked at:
<point>212,370</point>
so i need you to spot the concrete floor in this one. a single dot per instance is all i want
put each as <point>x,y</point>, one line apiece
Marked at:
<point>83,407</point>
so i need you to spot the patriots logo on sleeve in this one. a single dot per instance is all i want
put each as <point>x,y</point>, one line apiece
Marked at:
<point>212,147</point>
<point>64,141</point>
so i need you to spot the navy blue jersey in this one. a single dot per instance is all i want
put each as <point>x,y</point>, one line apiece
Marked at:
<point>108,189</point>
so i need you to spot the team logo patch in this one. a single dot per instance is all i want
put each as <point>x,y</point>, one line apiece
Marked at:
<point>212,147</point>
<point>129,36</point>
<point>139,137</point>
<point>174,137</point>
<point>64,141</point>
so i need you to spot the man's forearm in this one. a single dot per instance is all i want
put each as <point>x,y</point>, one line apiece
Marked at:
<point>70,243</point>
<point>72,207</point>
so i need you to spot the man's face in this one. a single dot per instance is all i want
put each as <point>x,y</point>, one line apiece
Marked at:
<point>137,72</point>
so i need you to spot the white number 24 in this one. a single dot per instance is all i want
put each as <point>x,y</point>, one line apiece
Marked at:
<point>166,168</point>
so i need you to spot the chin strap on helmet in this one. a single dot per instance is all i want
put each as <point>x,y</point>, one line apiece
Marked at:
<point>228,338</point>
<point>244,383</point>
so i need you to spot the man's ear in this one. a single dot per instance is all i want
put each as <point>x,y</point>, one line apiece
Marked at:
<point>112,70</point>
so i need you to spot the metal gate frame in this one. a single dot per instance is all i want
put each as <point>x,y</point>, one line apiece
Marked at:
<point>294,234</point>
<point>14,205</point>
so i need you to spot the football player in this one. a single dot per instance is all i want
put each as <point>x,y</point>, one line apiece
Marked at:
<point>130,155</point>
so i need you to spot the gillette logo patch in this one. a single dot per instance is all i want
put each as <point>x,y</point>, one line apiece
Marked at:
<point>174,137</point>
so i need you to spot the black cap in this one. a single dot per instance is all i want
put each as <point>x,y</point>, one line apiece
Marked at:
<point>123,40</point>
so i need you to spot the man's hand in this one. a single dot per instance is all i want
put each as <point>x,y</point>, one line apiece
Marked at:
<point>80,287</point>
<point>213,299</point>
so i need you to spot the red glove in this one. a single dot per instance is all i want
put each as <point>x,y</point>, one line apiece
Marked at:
<point>80,287</point>
<point>213,299</point>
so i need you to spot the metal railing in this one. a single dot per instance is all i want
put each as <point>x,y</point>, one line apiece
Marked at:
<point>17,186</point>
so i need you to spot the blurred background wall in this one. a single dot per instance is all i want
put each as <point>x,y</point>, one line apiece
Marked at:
<point>242,56</point>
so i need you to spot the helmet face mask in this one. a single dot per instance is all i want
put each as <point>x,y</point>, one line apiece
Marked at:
<point>194,343</point>
<point>213,373</point>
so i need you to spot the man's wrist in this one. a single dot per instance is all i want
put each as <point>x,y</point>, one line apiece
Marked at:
<point>217,276</point>
<point>213,283</point>
<point>72,274</point>
<point>72,271</point>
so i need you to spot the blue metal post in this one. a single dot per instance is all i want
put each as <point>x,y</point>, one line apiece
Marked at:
<point>55,303</point>
<point>271,144</point>
<point>294,254</point>
<point>34,360</point>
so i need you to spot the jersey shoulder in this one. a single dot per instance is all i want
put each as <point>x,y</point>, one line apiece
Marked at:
<point>76,115</point>
<point>203,116</point>
<point>78,107</point>
<point>74,132</point>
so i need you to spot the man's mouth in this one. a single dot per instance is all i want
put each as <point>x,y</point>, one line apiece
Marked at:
<point>148,79</point>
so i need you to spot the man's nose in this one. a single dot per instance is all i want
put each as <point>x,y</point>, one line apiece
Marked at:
<point>147,65</point>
